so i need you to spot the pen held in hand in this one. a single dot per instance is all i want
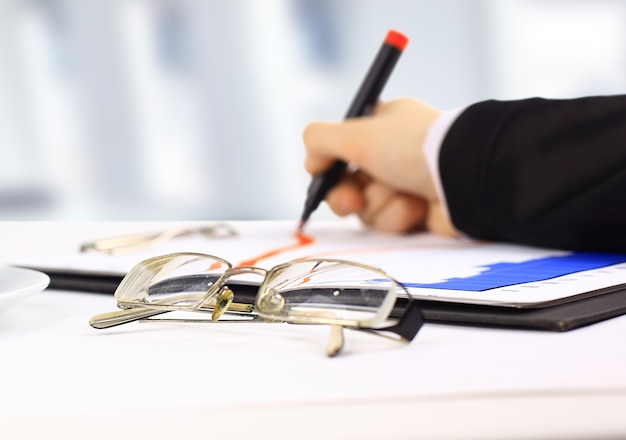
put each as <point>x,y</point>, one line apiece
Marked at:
<point>362,105</point>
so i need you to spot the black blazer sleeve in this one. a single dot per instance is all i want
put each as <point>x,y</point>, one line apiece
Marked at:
<point>548,173</point>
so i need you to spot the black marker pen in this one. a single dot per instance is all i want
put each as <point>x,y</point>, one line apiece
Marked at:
<point>363,104</point>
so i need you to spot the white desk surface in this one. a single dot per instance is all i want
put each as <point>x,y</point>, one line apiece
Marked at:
<point>59,378</point>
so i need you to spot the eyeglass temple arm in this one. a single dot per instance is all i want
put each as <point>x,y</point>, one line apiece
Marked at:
<point>131,243</point>
<point>119,317</point>
<point>409,324</point>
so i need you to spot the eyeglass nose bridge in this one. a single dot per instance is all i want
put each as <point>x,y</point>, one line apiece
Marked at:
<point>223,294</point>
<point>239,270</point>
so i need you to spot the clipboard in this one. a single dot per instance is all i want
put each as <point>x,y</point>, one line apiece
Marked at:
<point>560,318</point>
<point>601,305</point>
<point>544,289</point>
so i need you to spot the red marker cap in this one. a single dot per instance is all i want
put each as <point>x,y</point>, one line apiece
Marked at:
<point>396,39</point>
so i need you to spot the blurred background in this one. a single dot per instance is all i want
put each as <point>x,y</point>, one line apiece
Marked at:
<point>194,109</point>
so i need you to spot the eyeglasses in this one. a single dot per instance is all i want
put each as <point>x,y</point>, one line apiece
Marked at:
<point>133,243</point>
<point>338,293</point>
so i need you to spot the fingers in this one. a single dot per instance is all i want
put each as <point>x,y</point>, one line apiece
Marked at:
<point>402,214</point>
<point>346,198</point>
<point>377,205</point>
<point>391,211</point>
<point>377,197</point>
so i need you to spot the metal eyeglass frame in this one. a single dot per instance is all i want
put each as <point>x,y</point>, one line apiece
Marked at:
<point>396,316</point>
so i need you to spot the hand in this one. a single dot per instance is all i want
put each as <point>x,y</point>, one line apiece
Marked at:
<point>392,189</point>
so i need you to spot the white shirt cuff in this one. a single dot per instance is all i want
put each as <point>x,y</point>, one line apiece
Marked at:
<point>432,145</point>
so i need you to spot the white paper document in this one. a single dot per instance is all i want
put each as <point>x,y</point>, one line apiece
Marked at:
<point>432,267</point>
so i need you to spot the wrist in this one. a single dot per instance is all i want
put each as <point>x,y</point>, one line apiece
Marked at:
<point>431,149</point>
